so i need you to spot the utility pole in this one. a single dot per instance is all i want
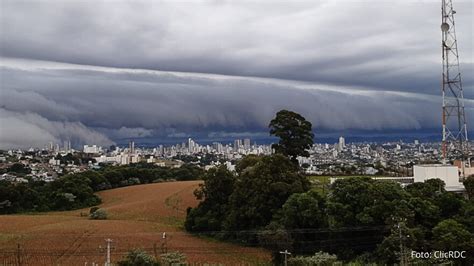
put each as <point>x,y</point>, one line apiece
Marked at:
<point>108,241</point>
<point>400,222</point>
<point>285,253</point>
<point>164,245</point>
<point>402,251</point>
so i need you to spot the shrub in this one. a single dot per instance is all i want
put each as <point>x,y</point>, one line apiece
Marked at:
<point>99,214</point>
<point>173,258</point>
<point>138,257</point>
<point>93,209</point>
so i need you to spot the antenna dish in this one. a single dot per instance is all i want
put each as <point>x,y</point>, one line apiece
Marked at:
<point>445,27</point>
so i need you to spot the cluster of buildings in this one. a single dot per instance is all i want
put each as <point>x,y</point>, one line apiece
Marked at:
<point>158,154</point>
<point>401,160</point>
<point>366,158</point>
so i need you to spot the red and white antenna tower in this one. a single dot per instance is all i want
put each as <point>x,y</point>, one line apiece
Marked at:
<point>455,140</point>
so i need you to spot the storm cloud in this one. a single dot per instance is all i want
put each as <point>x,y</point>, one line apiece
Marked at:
<point>126,69</point>
<point>124,103</point>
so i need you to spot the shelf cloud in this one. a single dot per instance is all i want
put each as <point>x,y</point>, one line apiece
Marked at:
<point>125,103</point>
<point>98,71</point>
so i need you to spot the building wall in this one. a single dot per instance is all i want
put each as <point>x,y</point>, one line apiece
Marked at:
<point>449,174</point>
<point>468,171</point>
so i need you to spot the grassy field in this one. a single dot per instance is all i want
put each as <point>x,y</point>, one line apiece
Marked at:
<point>138,216</point>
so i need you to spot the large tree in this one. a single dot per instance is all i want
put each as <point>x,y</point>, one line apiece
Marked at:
<point>214,193</point>
<point>262,187</point>
<point>451,235</point>
<point>366,202</point>
<point>295,134</point>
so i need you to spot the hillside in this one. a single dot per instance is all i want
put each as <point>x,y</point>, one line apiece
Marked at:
<point>138,216</point>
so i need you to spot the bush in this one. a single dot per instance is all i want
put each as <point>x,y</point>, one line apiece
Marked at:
<point>138,257</point>
<point>93,209</point>
<point>99,214</point>
<point>173,258</point>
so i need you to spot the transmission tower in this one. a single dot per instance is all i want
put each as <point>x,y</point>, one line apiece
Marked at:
<point>455,141</point>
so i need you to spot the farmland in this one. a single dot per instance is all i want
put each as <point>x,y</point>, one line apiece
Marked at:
<point>138,217</point>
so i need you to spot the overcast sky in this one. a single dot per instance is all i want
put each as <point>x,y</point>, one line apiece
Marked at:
<point>98,71</point>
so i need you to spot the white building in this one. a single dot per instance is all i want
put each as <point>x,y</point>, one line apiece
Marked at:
<point>230,166</point>
<point>53,161</point>
<point>91,149</point>
<point>448,173</point>
<point>341,144</point>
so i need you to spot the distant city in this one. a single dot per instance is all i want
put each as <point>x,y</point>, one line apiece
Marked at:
<point>390,159</point>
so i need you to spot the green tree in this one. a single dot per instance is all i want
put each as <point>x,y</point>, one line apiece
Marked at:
<point>304,210</point>
<point>19,168</point>
<point>261,189</point>
<point>449,204</point>
<point>98,181</point>
<point>275,238</point>
<point>361,201</point>
<point>214,193</point>
<point>138,257</point>
<point>114,176</point>
<point>426,213</point>
<point>360,209</point>
<point>295,134</point>
<point>388,252</point>
<point>466,215</point>
<point>451,235</point>
<point>71,192</point>
<point>429,189</point>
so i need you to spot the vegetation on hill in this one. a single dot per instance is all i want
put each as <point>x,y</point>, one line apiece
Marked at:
<point>75,191</point>
<point>268,202</point>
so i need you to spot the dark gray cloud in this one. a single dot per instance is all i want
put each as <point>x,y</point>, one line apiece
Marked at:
<point>388,45</point>
<point>26,129</point>
<point>123,103</point>
<point>369,65</point>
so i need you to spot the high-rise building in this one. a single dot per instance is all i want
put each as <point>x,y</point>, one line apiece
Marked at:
<point>67,145</point>
<point>217,146</point>
<point>237,144</point>
<point>131,147</point>
<point>341,144</point>
<point>191,145</point>
<point>247,144</point>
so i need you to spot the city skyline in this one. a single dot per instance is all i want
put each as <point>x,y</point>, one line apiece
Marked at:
<point>85,76</point>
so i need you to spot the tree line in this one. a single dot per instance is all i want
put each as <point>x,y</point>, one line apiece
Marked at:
<point>76,190</point>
